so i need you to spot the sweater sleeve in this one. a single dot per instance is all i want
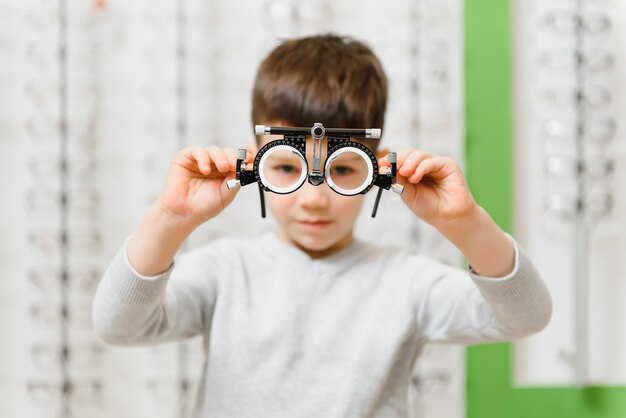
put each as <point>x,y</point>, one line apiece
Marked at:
<point>131,309</point>
<point>457,307</point>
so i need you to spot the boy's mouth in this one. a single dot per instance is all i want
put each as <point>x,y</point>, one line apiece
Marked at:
<point>314,223</point>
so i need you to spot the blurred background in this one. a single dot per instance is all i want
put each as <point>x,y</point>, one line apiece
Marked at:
<point>96,96</point>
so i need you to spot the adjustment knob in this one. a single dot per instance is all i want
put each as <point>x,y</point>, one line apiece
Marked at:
<point>318,131</point>
<point>233,184</point>
<point>397,188</point>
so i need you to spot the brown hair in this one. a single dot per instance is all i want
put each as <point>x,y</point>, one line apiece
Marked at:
<point>335,80</point>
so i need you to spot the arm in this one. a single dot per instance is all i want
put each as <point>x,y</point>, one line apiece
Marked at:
<point>508,299</point>
<point>132,309</point>
<point>136,301</point>
<point>486,247</point>
<point>437,192</point>
<point>193,194</point>
<point>455,307</point>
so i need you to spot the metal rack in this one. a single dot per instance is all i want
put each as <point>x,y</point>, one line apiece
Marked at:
<point>438,379</point>
<point>74,247</point>
<point>64,286</point>
<point>567,157</point>
<point>576,165</point>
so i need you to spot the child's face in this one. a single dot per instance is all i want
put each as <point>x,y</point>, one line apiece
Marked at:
<point>314,218</point>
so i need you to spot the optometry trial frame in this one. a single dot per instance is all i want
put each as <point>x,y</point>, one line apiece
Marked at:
<point>287,157</point>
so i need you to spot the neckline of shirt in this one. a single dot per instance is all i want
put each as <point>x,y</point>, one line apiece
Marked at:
<point>335,261</point>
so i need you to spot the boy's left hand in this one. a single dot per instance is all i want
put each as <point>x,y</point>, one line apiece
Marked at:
<point>435,188</point>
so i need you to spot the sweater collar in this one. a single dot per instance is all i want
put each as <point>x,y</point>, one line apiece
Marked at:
<point>344,258</point>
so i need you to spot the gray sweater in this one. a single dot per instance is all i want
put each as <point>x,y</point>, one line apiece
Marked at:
<point>288,336</point>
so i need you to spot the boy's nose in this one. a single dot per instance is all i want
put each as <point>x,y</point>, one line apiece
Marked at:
<point>313,197</point>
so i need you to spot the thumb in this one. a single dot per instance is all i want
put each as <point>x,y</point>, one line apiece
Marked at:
<point>410,193</point>
<point>252,150</point>
<point>228,194</point>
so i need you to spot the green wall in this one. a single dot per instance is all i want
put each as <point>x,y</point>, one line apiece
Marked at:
<point>488,143</point>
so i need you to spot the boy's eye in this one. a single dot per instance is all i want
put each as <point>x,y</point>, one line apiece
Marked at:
<point>342,171</point>
<point>348,170</point>
<point>282,174</point>
<point>282,167</point>
<point>287,169</point>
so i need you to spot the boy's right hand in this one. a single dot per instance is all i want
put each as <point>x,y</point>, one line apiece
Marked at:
<point>195,189</point>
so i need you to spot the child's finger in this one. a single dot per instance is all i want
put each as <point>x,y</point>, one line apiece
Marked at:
<point>411,161</point>
<point>433,167</point>
<point>382,157</point>
<point>405,153</point>
<point>231,155</point>
<point>200,156</point>
<point>383,164</point>
<point>252,150</point>
<point>249,160</point>
<point>383,161</point>
<point>219,158</point>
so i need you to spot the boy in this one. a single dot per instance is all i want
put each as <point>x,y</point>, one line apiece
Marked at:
<point>309,322</point>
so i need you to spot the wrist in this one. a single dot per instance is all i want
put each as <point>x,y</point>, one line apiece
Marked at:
<point>465,223</point>
<point>165,219</point>
<point>151,249</point>
<point>484,244</point>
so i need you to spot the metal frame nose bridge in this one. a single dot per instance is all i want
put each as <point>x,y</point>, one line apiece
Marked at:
<point>315,177</point>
